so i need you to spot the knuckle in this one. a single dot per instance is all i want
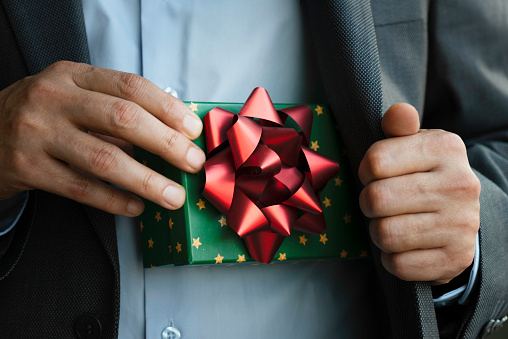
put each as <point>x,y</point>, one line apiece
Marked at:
<point>24,124</point>
<point>461,261</point>
<point>376,161</point>
<point>472,223</point>
<point>372,200</point>
<point>62,65</point>
<point>147,182</point>
<point>124,114</point>
<point>468,222</point>
<point>130,84</point>
<point>111,201</point>
<point>86,69</point>
<point>170,141</point>
<point>395,264</point>
<point>103,159</point>
<point>168,105</point>
<point>386,238</point>
<point>450,142</point>
<point>39,90</point>
<point>465,261</point>
<point>455,261</point>
<point>466,184</point>
<point>473,185</point>
<point>16,161</point>
<point>81,188</point>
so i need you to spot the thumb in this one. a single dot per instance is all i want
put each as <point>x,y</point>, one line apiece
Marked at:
<point>400,120</point>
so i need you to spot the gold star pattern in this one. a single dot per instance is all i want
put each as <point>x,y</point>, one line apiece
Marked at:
<point>141,226</point>
<point>363,253</point>
<point>201,204</point>
<point>303,240</point>
<point>178,247</point>
<point>347,218</point>
<point>152,266</point>
<point>196,243</point>
<point>323,238</point>
<point>158,216</point>
<point>319,110</point>
<point>218,258</point>
<point>314,145</point>
<point>171,223</point>
<point>282,257</point>
<point>193,107</point>
<point>223,221</point>
<point>145,162</point>
<point>343,254</point>
<point>327,202</point>
<point>150,243</point>
<point>170,249</point>
<point>338,181</point>
<point>241,258</point>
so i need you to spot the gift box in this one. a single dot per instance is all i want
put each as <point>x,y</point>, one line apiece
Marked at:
<point>198,233</point>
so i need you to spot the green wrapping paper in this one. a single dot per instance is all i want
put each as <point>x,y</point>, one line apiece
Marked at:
<point>198,233</point>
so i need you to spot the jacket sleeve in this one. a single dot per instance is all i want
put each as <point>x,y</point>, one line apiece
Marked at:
<point>467,93</point>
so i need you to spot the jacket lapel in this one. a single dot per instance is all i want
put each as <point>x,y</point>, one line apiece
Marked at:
<point>346,45</point>
<point>48,31</point>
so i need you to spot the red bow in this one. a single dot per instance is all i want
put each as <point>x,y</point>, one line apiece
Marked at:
<point>262,175</point>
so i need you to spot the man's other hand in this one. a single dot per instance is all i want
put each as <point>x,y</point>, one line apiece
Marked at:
<point>422,198</point>
<point>56,130</point>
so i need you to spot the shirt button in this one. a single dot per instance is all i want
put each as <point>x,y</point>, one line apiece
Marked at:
<point>171,332</point>
<point>171,91</point>
<point>88,326</point>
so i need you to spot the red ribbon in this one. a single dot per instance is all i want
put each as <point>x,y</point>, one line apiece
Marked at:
<point>263,176</point>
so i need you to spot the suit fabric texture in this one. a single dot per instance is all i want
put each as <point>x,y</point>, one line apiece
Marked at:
<point>446,58</point>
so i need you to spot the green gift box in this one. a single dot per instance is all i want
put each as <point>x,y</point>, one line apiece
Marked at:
<point>198,233</point>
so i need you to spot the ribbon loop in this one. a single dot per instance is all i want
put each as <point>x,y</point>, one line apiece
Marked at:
<point>259,105</point>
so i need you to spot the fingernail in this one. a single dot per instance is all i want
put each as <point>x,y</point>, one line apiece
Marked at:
<point>195,158</point>
<point>192,126</point>
<point>174,195</point>
<point>135,207</point>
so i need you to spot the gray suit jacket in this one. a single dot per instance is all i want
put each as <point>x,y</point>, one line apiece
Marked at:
<point>59,273</point>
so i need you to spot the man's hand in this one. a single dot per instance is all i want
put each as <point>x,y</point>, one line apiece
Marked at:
<point>422,197</point>
<point>45,142</point>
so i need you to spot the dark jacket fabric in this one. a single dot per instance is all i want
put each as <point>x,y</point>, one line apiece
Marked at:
<point>449,59</point>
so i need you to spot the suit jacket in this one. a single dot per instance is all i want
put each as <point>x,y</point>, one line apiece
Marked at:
<point>59,273</point>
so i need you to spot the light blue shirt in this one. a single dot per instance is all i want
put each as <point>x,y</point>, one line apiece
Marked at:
<point>199,53</point>
<point>203,54</point>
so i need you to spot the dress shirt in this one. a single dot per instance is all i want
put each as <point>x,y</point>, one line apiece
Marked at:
<point>196,52</point>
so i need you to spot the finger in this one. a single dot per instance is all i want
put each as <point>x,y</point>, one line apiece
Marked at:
<point>436,265</point>
<point>410,232</point>
<point>412,193</point>
<point>135,88</point>
<point>125,146</point>
<point>87,190</point>
<point>128,121</point>
<point>421,152</point>
<point>109,163</point>
<point>400,120</point>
